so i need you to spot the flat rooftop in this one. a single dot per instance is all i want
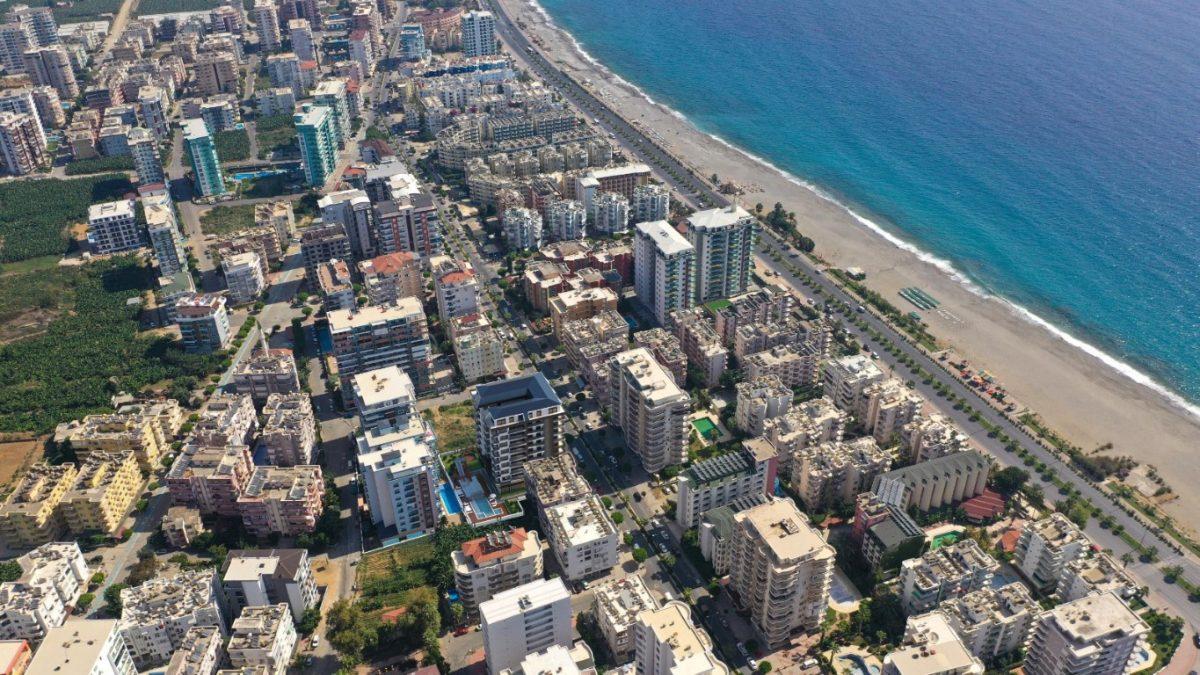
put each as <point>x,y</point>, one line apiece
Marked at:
<point>782,528</point>
<point>665,237</point>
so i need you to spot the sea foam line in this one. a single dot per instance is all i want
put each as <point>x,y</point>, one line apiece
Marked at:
<point>1127,370</point>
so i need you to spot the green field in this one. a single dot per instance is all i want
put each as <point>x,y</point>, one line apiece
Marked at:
<point>82,167</point>
<point>224,219</point>
<point>454,426</point>
<point>82,10</point>
<point>232,145</point>
<point>170,6</point>
<point>275,133</point>
<point>36,214</point>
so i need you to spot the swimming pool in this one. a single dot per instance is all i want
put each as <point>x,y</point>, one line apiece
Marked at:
<point>706,428</point>
<point>449,500</point>
<point>478,498</point>
<point>251,175</point>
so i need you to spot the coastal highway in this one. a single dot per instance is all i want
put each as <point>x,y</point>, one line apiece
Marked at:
<point>688,184</point>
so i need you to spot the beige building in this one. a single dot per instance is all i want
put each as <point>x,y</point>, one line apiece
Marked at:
<point>392,276</point>
<point>583,303</point>
<point>931,647</point>
<point>619,602</point>
<point>216,73</point>
<point>201,652</point>
<point>991,622</point>
<point>807,424</point>
<point>266,372</point>
<point>1097,573</point>
<point>666,642</point>
<point>1095,635</point>
<point>931,437</point>
<point>759,400</point>
<point>1046,547</point>
<point>52,578</point>
<point>263,637</point>
<point>885,408</point>
<point>117,433</point>
<point>948,572</point>
<point>847,377</point>
<point>781,570</point>
<point>289,435</point>
<point>651,410</point>
<point>480,355</point>
<point>104,492</point>
<point>831,475</point>
<point>279,217</point>
<point>180,525</point>
<point>706,355</point>
<point>796,365</point>
<point>494,563</point>
<point>30,514</point>
<point>156,615</point>
<point>666,349</point>
<point>583,537</point>
<point>555,480</point>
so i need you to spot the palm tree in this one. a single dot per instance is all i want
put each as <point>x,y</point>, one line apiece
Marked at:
<point>1126,558</point>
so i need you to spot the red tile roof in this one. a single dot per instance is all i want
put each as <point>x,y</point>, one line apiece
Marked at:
<point>987,505</point>
<point>391,263</point>
<point>479,550</point>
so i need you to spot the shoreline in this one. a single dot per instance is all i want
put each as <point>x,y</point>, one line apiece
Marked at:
<point>1089,396</point>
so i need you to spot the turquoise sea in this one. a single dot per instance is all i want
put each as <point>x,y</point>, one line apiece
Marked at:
<point>1049,150</point>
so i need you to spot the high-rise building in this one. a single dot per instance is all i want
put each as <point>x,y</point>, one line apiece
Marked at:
<point>667,642</point>
<point>566,219</point>
<point>781,570</point>
<point>721,480</point>
<point>619,603</point>
<point>479,34</point>
<point>262,640</point>
<point>15,39</point>
<point>332,93</point>
<point>516,421</point>
<point>945,573</point>
<point>399,469</point>
<point>455,286</point>
<point>651,410</point>
<point>113,227</point>
<point>1094,635</point>
<point>165,238</point>
<point>96,647</point>
<point>203,322</point>
<point>282,500</point>
<point>303,44</point>
<point>244,279</point>
<point>154,109</point>
<point>52,66</point>
<point>524,620</point>
<point>156,615</point>
<point>663,263</point>
<point>992,622</point>
<point>384,398</point>
<point>936,483</point>
<point>206,166</point>
<point>369,338</point>
<point>22,143</point>
<point>30,515</point>
<point>39,19</point>
<point>266,25</point>
<point>650,202</point>
<point>146,161</point>
<point>931,647</point>
<point>216,73</point>
<point>609,214</point>
<point>412,42</point>
<point>390,277</point>
<point>318,143</point>
<point>258,577</point>
<point>353,211</point>
<point>362,51</point>
<point>494,563</point>
<point>522,229</point>
<point>1046,547</point>
<point>724,242</point>
<point>323,243</point>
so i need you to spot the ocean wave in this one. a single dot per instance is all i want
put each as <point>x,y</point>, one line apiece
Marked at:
<point>943,265</point>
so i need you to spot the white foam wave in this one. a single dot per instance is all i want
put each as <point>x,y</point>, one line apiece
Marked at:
<point>945,266</point>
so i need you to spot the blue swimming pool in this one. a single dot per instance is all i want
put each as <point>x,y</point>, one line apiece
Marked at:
<point>449,500</point>
<point>251,175</point>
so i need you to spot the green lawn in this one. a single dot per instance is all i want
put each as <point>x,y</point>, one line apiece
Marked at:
<point>34,224</point>
<point>225,219</point>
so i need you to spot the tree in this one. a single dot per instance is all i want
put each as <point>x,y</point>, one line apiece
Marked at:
<point>112,599</point>
<point>10,570</point>
<point>667,560</point>
<point>764,667</point>
<point>617,517</point>
<point>628,538</point>
<point>350,631</point>
<point>1009,480</point>
<point>640,555</point>
<point>309,621</point>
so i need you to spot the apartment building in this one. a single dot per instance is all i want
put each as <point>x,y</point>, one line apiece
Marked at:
<point>215,73</point>
<point>113,227</point>
<point>781,570</point>
<point>39,19</point>
<point>846,378</point>
<point>666,349</point>
<point>936,483</point>
<point>321,244</point>
<point>619,602</point>
<point>650,202</point>
<point>706,356</point>
<point>244,277</point>
<point>285,500</point>
<point>522,229</point>
<point>51,66</point>
<point>479,356</point>
<point>931,437</point>
<point>517,420</point>
<point>97,647</point>
<point>384,398</point>
<point>796,365</point>
<point>524,620</point>
<point>609,214</point>
<point>583,537</point>
<point>318,143</point>
<point>455,286</point>
<point>888,534</point>
<point>1097,573</point>
<point>303,43</point>
<point>479,37</point>
<point>716,530</point>
<point>266,577</point>
<point>831,475</point>
<point>201,653</point>
<point>289,433</point>
<point>724,242</point>
<point>228,418</point>
<point>181,525</point>
<point>206,165</point>
<point>565,219</point>
<point>22,144</point>
<point>663,262</point>
<point>807,424</point>
<point>1046,547</point>
<point>370,338</point>
<point>118,433</point>
<point>651,410</point>
<point>552,481</point>
<point>667,642</point>
<point>266,25</point>
<point>278,216</point>
<point>170,250</point>
<point>583,303</point>
<point>399,469</point>
<point>948,572</point>
<point>15,40</point>
<point>52,578</point>
<point>352,210</point>
<point>759,400</point>
<point>30,515</point>
<point>721,480</point>
<point>494,563</point>
<point>1094,635</point>
<point>266,372</point>
<point>156,615</point>
<point>15,655</point>
<point>578,660</point>
<point>262,638</point>
<point>590,343</point>
<point>210,478</point>
<point>392,276</point>
<point>105,489</point>
<point>886,407</point>
<point>931,647</point>
<point>991,622</point>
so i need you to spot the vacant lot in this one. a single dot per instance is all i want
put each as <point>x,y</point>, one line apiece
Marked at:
<point>378,566</point>
<point>225,219</point>
<point>454,426</point>
<point>275,134</point>
<point>15,455</point>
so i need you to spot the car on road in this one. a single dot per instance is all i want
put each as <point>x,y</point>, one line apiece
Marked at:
<point>316,640</point>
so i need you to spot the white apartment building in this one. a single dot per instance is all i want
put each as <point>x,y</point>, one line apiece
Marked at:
<point>146,161</point>
<point>165,238</point>
<point>289,433</point>
<point>618,604</point>
<point>399,469</point>
<point>759,400</point>
<point>845,379</point>
<point>456,288</point>
<point>53,576</point>
<point>721,480</point>
<point>202,652</point>
<point>556,659</point>
<point>650,202</point>
<point>1045,549</point>
<point>243,277</point>
<point>663,263</point>
<point>609,214</point>
<point>1097,573</point>
<point>991,622</point>
<point>651,410</point>
<point>931,437</point>
<point>797,365</point>
<point>113,227</point>
<point>1095,635</point>
<point>781,570</point>
<point>565,219</point>
<point>583,537</point>
<point>156,615</point>
<point>886,406</point>
<point>479,355</point>
<point>833,474</point>
<point>203,322</point>
<point>263,637</point>
<point>810,423</point>
<point>95,647</point>
<point>948,572</point>
<point>256,578</point>
<point>266,25</point>
<point>666,642</point>
<point>724,242</point>
<point>384,398</point>
<point>931,647</point>
<point>479,36</point>
<point>522,229</point>
<point>524,620</point>
<point>494,563</point>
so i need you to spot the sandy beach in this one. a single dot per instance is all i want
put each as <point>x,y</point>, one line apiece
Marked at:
<point>1086,400</point>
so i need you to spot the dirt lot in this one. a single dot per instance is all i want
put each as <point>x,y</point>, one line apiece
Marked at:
<point>16,455</point>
